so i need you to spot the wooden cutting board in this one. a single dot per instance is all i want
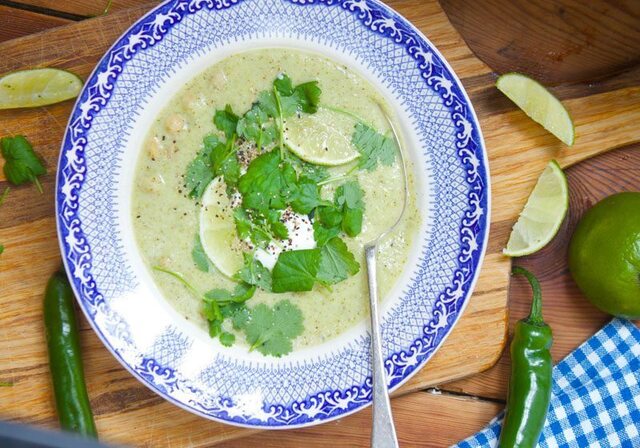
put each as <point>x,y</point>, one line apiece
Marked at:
<point>607,115</point>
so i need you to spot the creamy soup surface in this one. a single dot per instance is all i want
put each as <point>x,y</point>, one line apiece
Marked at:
<point>166,220</point>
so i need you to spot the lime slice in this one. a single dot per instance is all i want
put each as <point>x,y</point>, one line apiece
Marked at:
<point>542,215</point>
<point>218,230</point>
<point>323,138</point>
<point>38,87</point>
<point>538,103</point>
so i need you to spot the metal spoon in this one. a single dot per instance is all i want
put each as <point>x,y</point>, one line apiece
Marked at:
<point>383,433</point>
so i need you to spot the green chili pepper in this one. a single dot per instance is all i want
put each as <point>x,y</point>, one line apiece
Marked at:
<point>531,368</point>
<point>65,363</point>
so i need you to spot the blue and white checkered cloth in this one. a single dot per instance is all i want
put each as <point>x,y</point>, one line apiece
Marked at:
<point>596,395</point>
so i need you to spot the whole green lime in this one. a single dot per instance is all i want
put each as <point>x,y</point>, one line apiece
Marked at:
<point>604,255</point>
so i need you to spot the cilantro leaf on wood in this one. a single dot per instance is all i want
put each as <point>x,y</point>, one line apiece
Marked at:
<point>337,263</point>
<point>295,270</point>
<point>22,164</point>
<point>271,331</point>
<point>199,256</point>
<point>1,249</point>
<point>373,147</point>
<point>226,121</point>
<point>254,273</point>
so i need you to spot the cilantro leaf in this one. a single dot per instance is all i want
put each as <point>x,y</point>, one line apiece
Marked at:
<point>276,226</point>
<point>308,96</point>
<point>240,318</point>
<point>336,262</point>
<point>295,270</point>
<point>226,121</point>
<point>254,126</point>
<point>254,273</point>
<point>283,84</point>
<point>322,234</point>
<point>373,147</point>
<point>264,181</point>
<point>305,196</point>
<point>199,256</point>
<point>349,194</point>
<point>271,330</point>
<point>230,170</point>
<point>243,223</point>
<point>227,339</point>
<point>315,173</point>
<point>349,197</point>
<point>267,102</point>
<point>1,249</point>
<point>231,309</point>
<point>329,215</point>
<point>21,162</point>
<point>223,159</point>
<point>240,294</point>
<point>352,221</point>
<point>199,173</point>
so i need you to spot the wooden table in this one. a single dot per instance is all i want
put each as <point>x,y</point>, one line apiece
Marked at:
<point>443,415</point>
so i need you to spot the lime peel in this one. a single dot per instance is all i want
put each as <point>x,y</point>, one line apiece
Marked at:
<point>542,215</point>
<point>539,104</point>
<point>218,229</point>
<point>38,87</point>
<point>323,138</point>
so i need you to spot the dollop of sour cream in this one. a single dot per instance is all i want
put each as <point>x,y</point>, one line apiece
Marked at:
<point>300,237</point>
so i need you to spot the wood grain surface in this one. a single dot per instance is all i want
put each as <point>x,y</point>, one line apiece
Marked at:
<point>17,23</point>
<point>607,115</point>
<point>553,40</point>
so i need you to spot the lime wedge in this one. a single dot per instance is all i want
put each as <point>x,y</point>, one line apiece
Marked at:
<point>218,229</point>
<point>38,87</point>
<point>542,215</point>
<point>538,103</point>
<point>323,138</point>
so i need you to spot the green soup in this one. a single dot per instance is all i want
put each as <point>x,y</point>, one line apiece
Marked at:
<point>166,220</point>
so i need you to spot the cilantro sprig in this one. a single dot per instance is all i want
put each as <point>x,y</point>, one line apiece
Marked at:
<point>22,164</point>
<point>271,330</point>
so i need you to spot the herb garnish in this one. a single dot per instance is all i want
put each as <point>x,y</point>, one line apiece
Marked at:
<point>271,330</point>
<point>269,184</point>
<point>22,164</point>
<point>374,147</point>
<point>198,255</point>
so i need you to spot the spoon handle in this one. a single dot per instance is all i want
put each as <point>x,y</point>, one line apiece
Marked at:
<point>383,433</point>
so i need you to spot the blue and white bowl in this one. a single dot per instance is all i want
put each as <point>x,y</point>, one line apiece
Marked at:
<point>136,77</point>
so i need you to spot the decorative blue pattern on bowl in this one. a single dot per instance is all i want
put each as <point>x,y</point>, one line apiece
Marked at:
<point>292,391</point>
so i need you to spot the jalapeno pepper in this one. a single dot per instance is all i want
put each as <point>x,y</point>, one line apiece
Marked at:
<point>65,363</point>
<point>531,368</point>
